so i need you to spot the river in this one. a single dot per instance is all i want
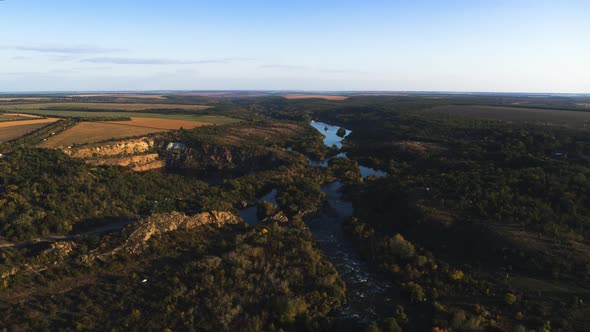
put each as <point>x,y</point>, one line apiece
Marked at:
<point>370,295</point>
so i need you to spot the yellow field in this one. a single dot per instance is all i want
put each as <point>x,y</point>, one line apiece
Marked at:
<point>306,96</point>
<point>14,129</point>
<point>156,123</point>
<point>99,106</point>
<point>93,132</point>
<point>7,124</point>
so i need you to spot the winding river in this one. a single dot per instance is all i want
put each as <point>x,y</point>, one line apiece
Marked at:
<point>370,297</point>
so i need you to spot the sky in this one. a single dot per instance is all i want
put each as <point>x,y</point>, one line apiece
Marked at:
<point>320,45</point>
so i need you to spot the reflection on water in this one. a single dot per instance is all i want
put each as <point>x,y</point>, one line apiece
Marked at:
<point>330,139</point>
<point>368,171</point>
<point>329,132</point>
<point>249,214</point>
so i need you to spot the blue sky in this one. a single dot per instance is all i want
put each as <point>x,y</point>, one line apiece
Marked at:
<point>493,45</point>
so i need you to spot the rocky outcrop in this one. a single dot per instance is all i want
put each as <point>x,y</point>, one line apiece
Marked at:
<point>134,239</point>
<point>137,163</point>
<point>118,148</point>
<point>216,157</point>
<point>58,251</point>
<point>279,217</point>
<point>132,153</point>
<point>136,236</point>
<point>52,256</point>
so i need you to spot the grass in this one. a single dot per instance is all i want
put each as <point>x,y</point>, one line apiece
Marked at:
<point>517,114</point>
<point>134,107</point>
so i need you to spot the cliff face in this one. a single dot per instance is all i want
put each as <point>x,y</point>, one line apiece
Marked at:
<point>214,157</point>
<point>136,236</point>
<point>142,231</point>
<point>119,148</point>
<point>137,163</point>
<point>132,153</point>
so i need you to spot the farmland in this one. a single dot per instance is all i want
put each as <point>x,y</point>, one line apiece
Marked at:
<point>10,130</point>
<point>16,117</point>
<point>128,107</point>
<point>94,115</point>
<point>517,114</point>
<point>92,132</point>
<point>158,123</point>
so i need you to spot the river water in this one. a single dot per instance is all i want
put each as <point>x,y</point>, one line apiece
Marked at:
<point>370,297</point>
<point>249,214</point>
<point>332,139</point>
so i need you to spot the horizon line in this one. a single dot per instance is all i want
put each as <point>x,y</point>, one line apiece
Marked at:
<point>270,91</point>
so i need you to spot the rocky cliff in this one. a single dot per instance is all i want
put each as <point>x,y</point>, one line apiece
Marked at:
<point>133,240</point>
<point>215,157</point>
<point>112,149</point>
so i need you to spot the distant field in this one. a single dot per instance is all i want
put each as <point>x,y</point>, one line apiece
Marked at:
<point>517,114</point>
<point>26,116</point>
<point>11,117</point>
<point>92,132</point>
<point>22,98</point>
<point>218,119</point>
<point>306,96</point>
<point>7,124</point>
<point>120,95</point>
<point>99,106</point>
<point>14,129</point>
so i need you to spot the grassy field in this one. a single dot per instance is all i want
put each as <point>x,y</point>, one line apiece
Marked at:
<point>14,129</point>
<point>517,114</point>
<point>130,107</point>
<point>92,132</point>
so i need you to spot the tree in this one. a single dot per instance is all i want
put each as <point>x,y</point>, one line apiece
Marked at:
<point>341,132</point>
<point>265,209</point>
